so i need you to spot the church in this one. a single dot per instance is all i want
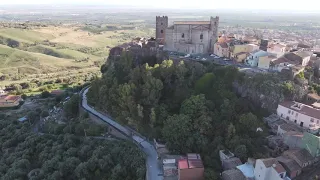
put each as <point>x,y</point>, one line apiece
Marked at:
<point>188,37</point>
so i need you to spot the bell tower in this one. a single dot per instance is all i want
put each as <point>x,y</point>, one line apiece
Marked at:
<point>161,26</point>
<point>214,25</point>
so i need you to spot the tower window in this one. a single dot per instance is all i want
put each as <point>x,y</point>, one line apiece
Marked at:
<point>182,35</point>
<point>201,36</point>
<point>161,23</point>
<point>161,31</point>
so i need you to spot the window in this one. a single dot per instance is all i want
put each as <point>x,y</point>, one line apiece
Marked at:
<point>182,35</point>
<point>201,36</point>
<point>296,114</point>
<point>161,23</point>
<point>161,31</point>
<point>311,120</point>
<point>292,113</point>
<point>289,111</point>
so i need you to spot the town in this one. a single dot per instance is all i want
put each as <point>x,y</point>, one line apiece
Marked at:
<point>195,100</point>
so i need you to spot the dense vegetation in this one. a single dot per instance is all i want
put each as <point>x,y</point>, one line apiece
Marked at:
<point>27,155</point>
<point>189,105</point>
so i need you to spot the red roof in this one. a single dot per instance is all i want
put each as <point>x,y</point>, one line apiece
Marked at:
<point>195,163</point>
<point>11,98</point>
<point>183,164</point>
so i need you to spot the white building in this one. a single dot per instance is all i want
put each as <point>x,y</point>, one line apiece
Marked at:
<point>301,114</point>
<point>269,169</point>
<point>187,36</point>
<point>277,49</point>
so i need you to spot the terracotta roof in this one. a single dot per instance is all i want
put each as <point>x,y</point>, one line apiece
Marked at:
<point>307,110</point>
<point>183,164</point>
<point>223,45</point>
<point>293,57</point>
<point>314,96</point>
<point>11,98</point>
<point>272,162</point>
<point>191,22</point>
<point>301,154</point>
<point>289,164</point>
<point>57,92</point>
<point>233,174</point>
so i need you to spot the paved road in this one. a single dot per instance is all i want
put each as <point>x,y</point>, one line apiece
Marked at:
<point>153,170</point>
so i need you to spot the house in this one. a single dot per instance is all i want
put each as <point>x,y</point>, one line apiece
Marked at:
<point>231,163</point>
<point>225,154</point>
<point>191,168</point>
<point>170,169</point>
<point>316,67</point>
<point>278,49</point>
<point>253,58</point>
<point>293,139</point>
<point>239,52</point>
<point>313,97</point>
<point>233,174</point>
<point>269,169</point>
<point>221,49</point>
<point>287,127</point>
<point>291,166</point>
<point>301,114</point>
<point>247,170</point>
<point>240,57</point>
<point>303,57</point>
<point>264,61</point>
<point>301,156</point>
<point>10,101</point>
<point>311,143</point>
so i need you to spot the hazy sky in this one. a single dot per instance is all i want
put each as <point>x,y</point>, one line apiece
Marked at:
<point>303,5</point>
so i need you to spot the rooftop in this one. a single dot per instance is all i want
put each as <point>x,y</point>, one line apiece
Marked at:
<point>288,163</point>
<point>289,127</point>
<point>233,174</point>
<point>272,162</point>
<point>305,109</point>
<point>314,96</point>
<point>301,154</point>
<point>10,97</point>
<point>247,169</point>
<point>231,163</point>
<point>192,161</point>
<point>191,22</point>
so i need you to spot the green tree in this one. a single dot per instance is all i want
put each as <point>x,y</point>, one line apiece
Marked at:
<point>71,108</point>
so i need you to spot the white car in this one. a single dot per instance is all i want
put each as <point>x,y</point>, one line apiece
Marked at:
<point>212,55</point>
<point>188,55</point>
<point>203,59</point>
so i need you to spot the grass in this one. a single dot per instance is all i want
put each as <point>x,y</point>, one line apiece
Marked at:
<point>23,35</point>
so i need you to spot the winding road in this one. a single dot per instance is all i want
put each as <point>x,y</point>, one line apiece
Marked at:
<point>153,169</point>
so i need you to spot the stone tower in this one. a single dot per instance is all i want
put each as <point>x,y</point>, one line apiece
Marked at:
<point>161,26</point>
<point>214,25</point>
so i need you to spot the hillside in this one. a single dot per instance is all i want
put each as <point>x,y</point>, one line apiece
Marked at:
<point>56,49</point>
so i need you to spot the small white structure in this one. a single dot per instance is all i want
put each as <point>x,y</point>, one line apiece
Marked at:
<point>269,169</point>
<point>301,114</point>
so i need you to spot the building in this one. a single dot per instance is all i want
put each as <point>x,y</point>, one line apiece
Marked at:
<point>293,139</point>
<point>170,169</point>
<point>191,168</point>
<point>233,174</point>
<point>287,127</point>
<point>10,101</point>
<point>278,49</point>
<point>291,166</point>
<point>311,143</point>
<point>253,58</point>
<point>231,163</point>
<point>264,61</point>
<point>269,169</point>
<point>247,170</point>
<point>263,44</point>
<point>221,49</point>
<point>301,156</point>
<point>240,52</point>
<point>187,36</point>
<point>301,114</point>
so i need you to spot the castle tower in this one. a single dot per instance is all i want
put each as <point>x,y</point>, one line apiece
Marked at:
<point>214,25</point>
<point>161,26</point>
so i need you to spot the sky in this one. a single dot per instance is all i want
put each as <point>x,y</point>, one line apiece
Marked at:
<point>305,5</point>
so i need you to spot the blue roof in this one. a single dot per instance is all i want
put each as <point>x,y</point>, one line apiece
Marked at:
<point>247,169</point>
<point>22,119</point>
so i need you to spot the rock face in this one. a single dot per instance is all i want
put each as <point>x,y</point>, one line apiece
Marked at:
<point>263,99</point>
<point>268,92</point>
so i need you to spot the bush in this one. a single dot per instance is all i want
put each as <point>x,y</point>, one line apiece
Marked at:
<point>44,114</point>
<point>45,94</point>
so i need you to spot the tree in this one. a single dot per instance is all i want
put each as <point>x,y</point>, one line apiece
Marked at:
<point>71,108</point>
<point>45,94</point>
<point>44,114</point>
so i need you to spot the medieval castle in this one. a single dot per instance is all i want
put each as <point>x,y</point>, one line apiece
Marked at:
<point>187,36</point>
